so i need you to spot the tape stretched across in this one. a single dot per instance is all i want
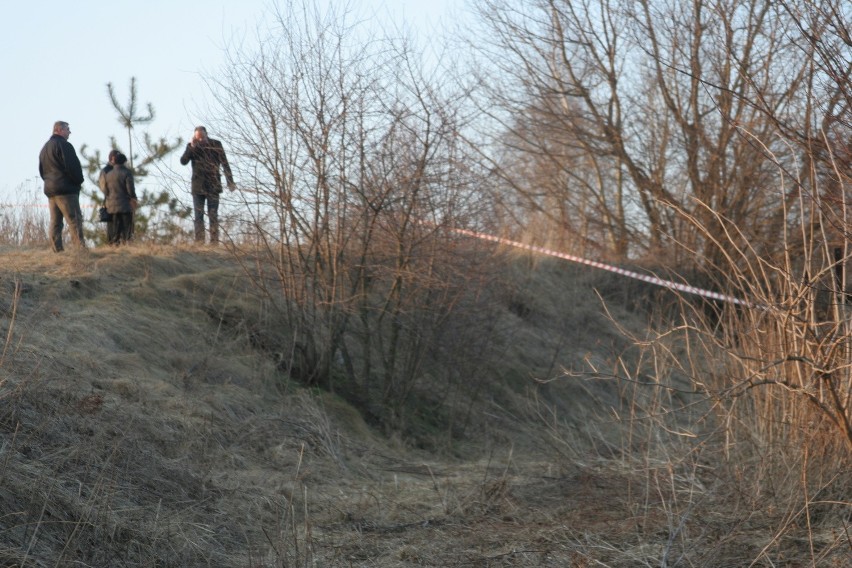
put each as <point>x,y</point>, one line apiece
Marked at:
<point>541,250</point>
<point>595,264</point>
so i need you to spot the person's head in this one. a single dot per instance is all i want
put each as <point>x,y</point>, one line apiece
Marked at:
<point>200,133</point>
<point>120,158</point>
<point>61,128</point>
<point>112,156</point>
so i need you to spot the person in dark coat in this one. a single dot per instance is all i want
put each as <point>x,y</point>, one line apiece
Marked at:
<point>207,156</point>
<point>116,181</point>
<point>59,167</point>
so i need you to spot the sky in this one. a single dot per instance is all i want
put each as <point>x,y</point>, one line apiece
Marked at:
<point>58,56</point>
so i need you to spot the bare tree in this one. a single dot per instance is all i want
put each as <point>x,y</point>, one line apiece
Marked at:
<point>354,159</point>
<point>659,100</point>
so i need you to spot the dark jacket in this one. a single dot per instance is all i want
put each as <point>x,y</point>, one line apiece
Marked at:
<point>118,186</point>
<point>60,168</point>
<point>206,157</point>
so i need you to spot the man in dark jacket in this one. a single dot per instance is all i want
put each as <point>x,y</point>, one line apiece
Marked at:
<point>62,173</point>
<point>206,155</point>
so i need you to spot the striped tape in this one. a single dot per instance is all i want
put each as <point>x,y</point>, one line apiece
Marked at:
<point>686,288</point>
<point>595,264</point>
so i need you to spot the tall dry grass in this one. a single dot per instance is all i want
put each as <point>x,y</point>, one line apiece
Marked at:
<point>150,426</point>
<point>23,225</point>
<point>722,464</point>
<point>740,416</point>
<point>734,421</point>
<point>106,455</point>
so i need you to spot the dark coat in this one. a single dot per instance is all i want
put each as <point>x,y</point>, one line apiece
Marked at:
<point>60,168</point>
<point>206,157</point>
<point>119,188</point>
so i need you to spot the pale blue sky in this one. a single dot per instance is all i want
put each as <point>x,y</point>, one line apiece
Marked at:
<point>58,57</point>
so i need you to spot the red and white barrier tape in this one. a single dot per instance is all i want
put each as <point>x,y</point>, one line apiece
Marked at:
<point>593,263</point>
<point>541,250</point>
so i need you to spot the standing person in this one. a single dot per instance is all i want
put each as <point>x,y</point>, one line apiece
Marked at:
<point>206,156</point>
<point>59,167</point>
<point>119,189</point>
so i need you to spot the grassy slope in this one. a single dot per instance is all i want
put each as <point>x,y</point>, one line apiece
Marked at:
<point>136,430</point>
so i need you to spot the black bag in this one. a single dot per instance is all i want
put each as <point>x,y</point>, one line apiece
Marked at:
<point>104,216</point>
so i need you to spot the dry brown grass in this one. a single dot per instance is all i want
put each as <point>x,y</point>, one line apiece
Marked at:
<point>23,225</point>
<point>138,429</point>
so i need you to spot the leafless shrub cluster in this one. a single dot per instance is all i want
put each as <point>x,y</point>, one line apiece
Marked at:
<point>356,166</point>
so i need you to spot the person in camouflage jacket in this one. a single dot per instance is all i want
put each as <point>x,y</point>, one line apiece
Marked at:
<point>207,157</point>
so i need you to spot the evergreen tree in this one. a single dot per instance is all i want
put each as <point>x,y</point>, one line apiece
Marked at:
<point>150,204</point>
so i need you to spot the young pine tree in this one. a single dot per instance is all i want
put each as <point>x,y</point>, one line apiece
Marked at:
<point>151,204</point>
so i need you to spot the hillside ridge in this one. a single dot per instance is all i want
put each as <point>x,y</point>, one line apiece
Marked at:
<point>131,417</point>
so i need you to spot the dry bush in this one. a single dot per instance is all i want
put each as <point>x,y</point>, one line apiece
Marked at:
<point>23,225</point>
<point>365,294</point>
<point>709,473</point>
<point>720,419</point>
<point>739,417</point>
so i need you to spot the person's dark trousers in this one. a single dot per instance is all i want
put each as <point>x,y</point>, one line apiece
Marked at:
<point>65,207</point>
<point>121,228</point>
<point>110,228</point>
<point>198,202</point>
